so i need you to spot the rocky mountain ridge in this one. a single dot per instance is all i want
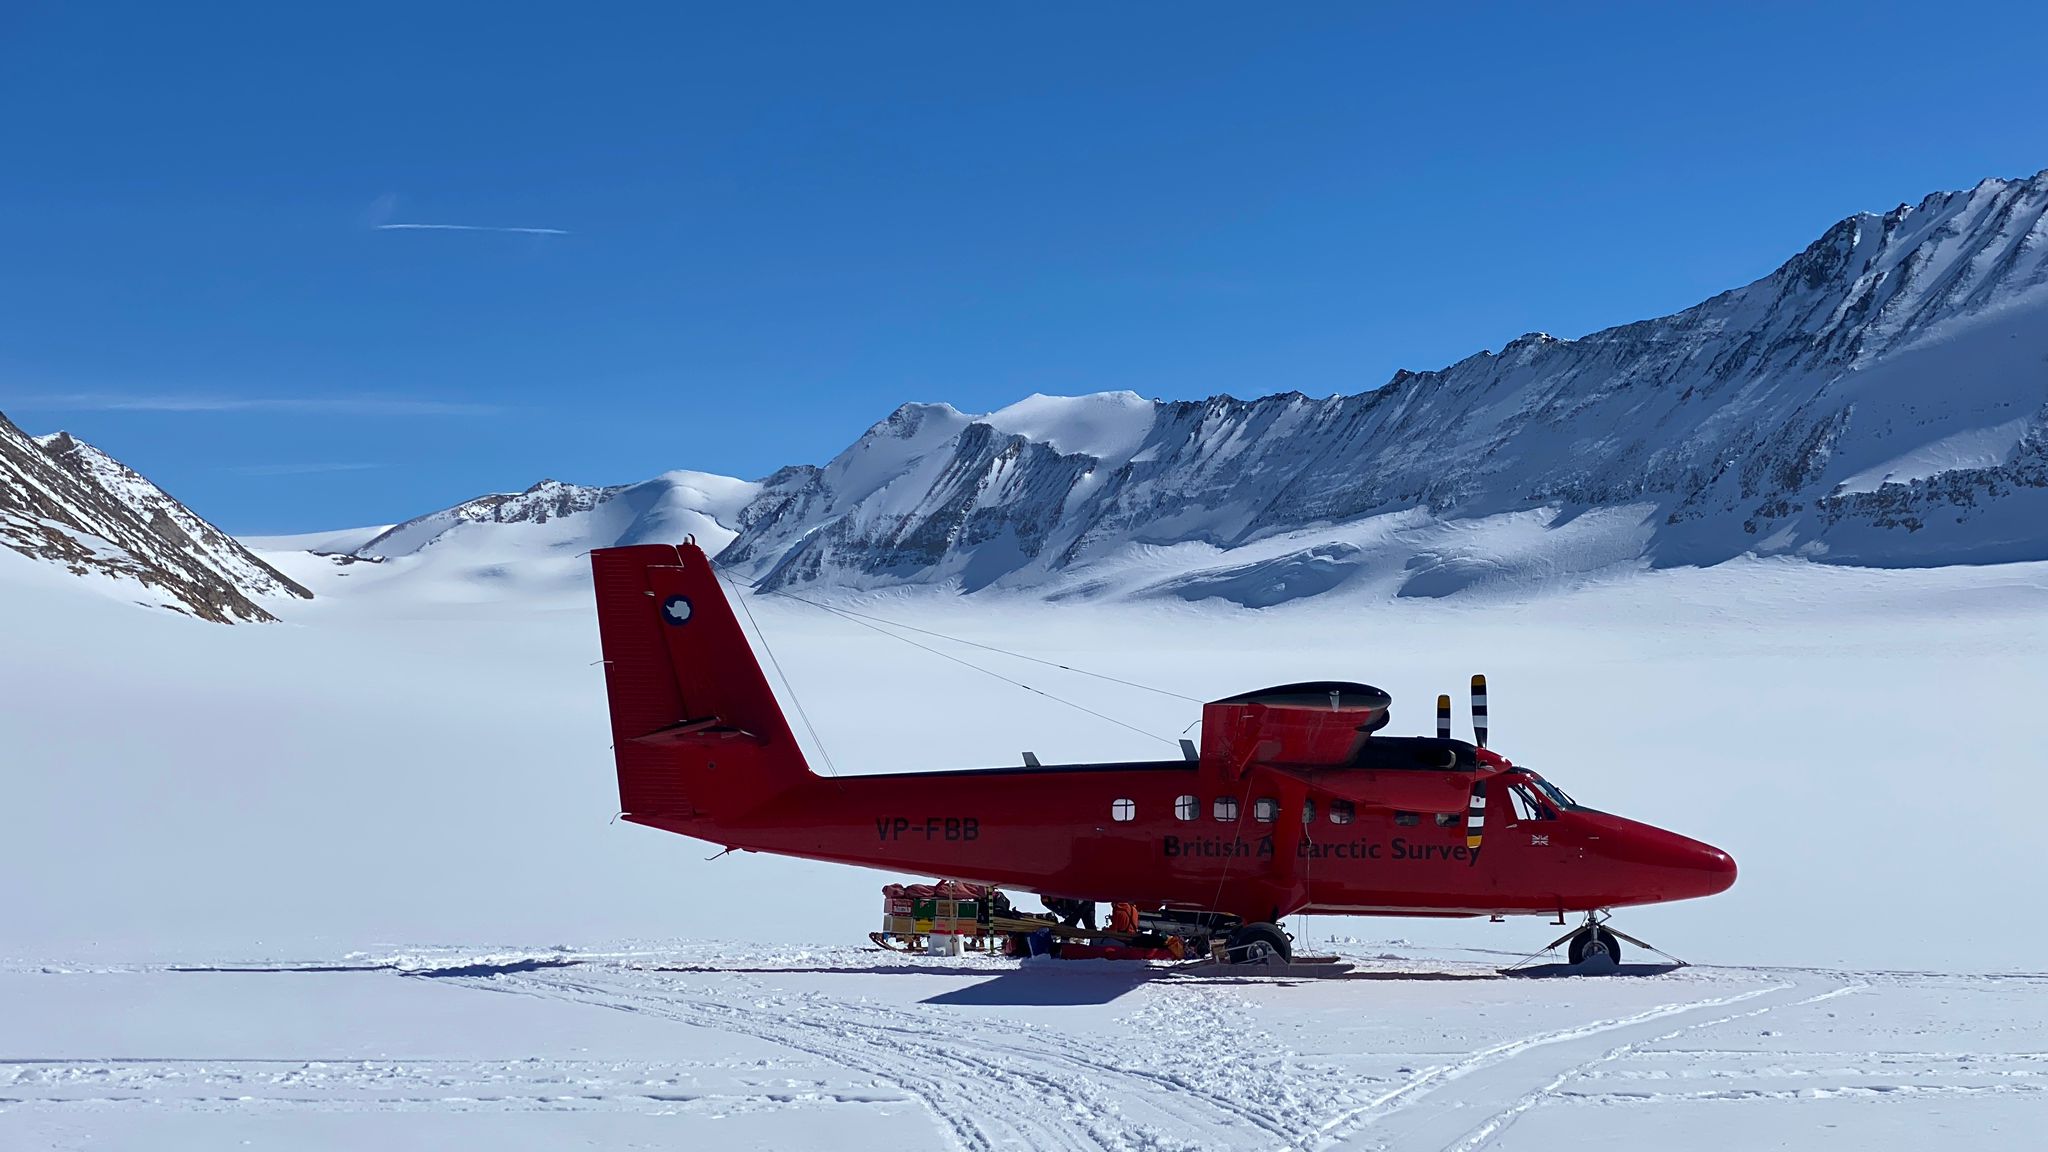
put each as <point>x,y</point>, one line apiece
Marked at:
<point>544,501</point>
<point>65,502</point>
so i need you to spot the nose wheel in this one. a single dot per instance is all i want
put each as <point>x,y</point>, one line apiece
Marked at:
<point>1592,941</point>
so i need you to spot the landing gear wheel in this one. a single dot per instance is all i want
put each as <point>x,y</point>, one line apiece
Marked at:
<point>1589,941</point>
<point>1259,944</point>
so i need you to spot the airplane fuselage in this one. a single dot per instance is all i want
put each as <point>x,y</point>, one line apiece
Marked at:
<point>1188,840</point>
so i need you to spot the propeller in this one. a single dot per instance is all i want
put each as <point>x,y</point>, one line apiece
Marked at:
<point>1443,717</point>
<point>1475,811</point>
<point>1475,816</point>
<point>1479,710</point>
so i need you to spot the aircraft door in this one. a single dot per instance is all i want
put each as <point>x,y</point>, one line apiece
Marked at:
<point>1534,837</point>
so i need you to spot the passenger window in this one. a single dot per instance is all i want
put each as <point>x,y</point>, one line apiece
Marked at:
<point>1341,812</point>
<point>1407,819</point>
<point>1265,809</point>
<point>1186,808</point>
<point>1226,808</point>
<point>1308,811</point>
<point>1123,810</point>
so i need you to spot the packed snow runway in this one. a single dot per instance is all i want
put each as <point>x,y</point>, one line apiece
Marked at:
<point>855,1049</point>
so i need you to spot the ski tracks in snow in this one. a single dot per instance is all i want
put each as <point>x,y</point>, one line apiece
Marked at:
<point>1492,1126</point>
<point>1158,1065</point>
<point>992,1083</point>
<point>1190,1068</point>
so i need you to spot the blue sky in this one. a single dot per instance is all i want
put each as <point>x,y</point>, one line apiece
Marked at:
<point>774,223</point>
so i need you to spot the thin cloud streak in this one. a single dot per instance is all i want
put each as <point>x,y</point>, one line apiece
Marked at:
<point>298,469</point>
<point>361,405</point>
<point>469,228</point>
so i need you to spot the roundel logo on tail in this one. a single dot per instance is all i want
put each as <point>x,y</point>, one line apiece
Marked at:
<point>676,610</point>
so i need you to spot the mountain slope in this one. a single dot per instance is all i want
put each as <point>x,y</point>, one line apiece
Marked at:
<point>528,544</point>
<point>65,502</point>
<point>168,518</point>
<point>1880,399</point>
<point>668,507</point>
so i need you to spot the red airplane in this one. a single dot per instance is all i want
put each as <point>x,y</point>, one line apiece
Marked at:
<point>1294,804</point>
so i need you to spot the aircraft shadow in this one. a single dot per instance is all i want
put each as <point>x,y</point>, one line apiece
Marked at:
<point>821,969</point>
<point>1553,971</point>
<point>1418,976</point>
<point>1037,986</point>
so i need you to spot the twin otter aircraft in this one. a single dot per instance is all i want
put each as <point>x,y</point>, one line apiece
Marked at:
<point>1294,804</point>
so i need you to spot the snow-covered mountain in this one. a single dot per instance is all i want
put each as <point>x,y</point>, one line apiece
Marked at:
<point>668,507</point>
<point>65,502</point>
<point>521,543</point>
<point>545,501</point>
<point>1880,399</point>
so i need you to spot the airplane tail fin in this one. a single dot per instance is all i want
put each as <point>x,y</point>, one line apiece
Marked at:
<point>696,730</point>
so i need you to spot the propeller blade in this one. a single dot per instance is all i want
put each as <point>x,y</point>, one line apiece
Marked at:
<point>1479,710</point>
<point>1475,816</point>
<point>1443,717</point>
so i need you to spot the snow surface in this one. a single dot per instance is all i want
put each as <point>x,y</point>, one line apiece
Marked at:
<point>1970,448</point>
<point>1109,426</point>
<point>351,880</point>
<point>751,1048</point>
<point>670,507</point>
<point>512,544</point>
<point>335,540</point>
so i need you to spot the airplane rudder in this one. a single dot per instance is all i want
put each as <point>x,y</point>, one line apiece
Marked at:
<point>640,684</point>
<point>714,662</point>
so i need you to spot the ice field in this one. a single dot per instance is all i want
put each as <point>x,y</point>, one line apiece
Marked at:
<point>349,880</point>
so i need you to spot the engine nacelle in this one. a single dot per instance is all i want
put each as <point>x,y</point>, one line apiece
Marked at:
<point>1323,722</point>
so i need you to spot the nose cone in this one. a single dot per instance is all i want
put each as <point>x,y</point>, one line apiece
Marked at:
<point>1663,865</point>
<point>1715,867</point>
<point>1686,868</point>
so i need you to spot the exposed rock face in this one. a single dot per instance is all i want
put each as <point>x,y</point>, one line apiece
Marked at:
<point>545,501</point>
<point>555,519</point>
<point>66,502</point>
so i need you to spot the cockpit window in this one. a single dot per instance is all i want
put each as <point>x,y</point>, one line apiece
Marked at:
<point>1527,806</point>
<point>1554,793</point>
<point>1549,792</point>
